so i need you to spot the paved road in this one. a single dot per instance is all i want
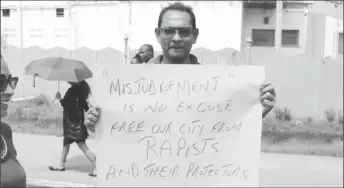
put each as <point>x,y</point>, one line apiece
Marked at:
<point>37,152</point>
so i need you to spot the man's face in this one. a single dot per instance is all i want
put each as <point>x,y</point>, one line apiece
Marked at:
<point>145,54</point>
<point>176,35</point>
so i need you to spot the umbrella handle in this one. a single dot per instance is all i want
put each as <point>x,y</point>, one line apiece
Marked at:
<point>58,86</point>
<point>34,78</point>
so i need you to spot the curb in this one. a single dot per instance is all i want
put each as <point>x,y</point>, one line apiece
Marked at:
<point>31,182</point>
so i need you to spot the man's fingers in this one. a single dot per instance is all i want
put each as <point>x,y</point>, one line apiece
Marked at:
<point>91,118</point>
<point>264,85</point>
<point>87,122</point>
<point>269,88</point>
<point>268,103</point>
<point>268,96</point>
<point>94,112</point>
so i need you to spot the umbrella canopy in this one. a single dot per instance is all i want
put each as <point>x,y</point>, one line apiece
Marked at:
<point>59,69</point>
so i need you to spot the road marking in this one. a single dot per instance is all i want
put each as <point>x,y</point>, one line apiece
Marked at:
<point>31,182</point>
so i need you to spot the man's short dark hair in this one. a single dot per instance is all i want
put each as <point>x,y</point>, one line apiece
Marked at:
<point>180,7</point>
<point>150,47</point>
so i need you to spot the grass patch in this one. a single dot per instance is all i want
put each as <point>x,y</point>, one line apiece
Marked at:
<point>300,136</point>
<point>36,116</point>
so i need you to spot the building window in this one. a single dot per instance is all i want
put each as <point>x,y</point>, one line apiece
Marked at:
<point>263,37</point>
<point>6,12</point>
<point>9,33</point>
<point>340,43</point>
<point>61,33</point>
<point>290,37</point>
<point>60,12</point>
<point>36,33</point>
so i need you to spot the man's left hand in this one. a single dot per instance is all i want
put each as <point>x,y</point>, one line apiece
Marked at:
<point>267,97</point>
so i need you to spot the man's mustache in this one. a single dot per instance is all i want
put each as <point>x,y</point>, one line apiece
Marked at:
<point>176,46</point>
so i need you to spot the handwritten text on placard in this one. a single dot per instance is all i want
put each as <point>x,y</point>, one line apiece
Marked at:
<point>188,125</point>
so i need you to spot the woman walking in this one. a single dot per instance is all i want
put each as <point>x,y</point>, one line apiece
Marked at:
<point>74,105</point>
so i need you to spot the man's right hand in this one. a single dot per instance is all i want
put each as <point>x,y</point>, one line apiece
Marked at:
<point>92,117</point>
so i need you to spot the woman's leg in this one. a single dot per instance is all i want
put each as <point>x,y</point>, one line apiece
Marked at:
<point>90,156</point>
<point>64,154</point>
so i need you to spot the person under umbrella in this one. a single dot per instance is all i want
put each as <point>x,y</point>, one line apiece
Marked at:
<point>74,102</point>
<point>74,105</point>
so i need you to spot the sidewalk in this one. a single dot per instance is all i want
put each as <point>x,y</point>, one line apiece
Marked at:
<point>37,152</point>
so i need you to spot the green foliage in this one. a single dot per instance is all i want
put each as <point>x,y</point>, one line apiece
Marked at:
<point>340,117</point>
<point>282,114</point>
<point>330,115</point>
<point>309,120</point>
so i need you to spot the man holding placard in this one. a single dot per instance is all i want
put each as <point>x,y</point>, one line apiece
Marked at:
<point>200,127</point>
<point>177,33</point>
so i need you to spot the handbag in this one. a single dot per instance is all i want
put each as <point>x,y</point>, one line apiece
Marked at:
<point>76,130</point>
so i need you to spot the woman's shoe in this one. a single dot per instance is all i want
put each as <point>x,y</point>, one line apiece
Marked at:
<point>92,174</point>
<point>57,169</point>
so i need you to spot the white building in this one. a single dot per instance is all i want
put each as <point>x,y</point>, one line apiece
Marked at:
<point>333,37</point>
<point>105,24</point>
<point>44,24</point>
<point>293,34</point>
<point>102,24</point>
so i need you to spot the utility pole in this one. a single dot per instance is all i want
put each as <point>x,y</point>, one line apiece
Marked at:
<point>21,24</point>
<point>279,24</point>
<point>127,36</point>
<point>249,43</point>
<point>126,49</point>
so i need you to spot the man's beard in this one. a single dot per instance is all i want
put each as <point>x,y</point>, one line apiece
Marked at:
<point>177,59</point>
